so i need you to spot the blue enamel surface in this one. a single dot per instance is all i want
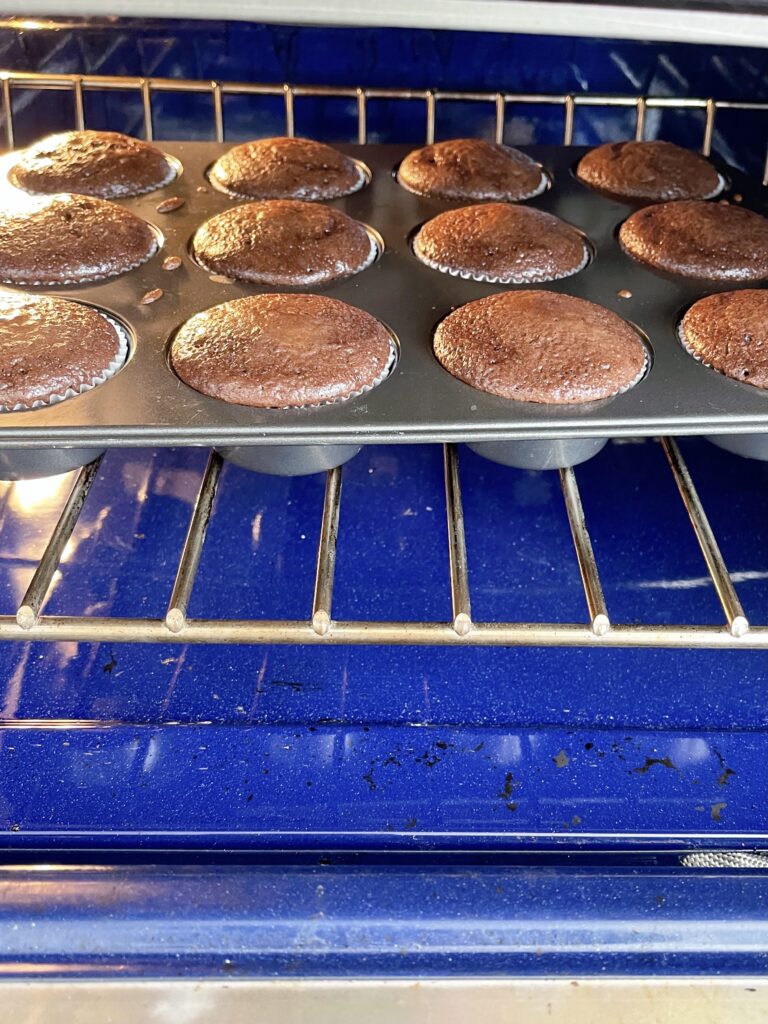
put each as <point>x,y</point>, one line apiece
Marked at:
<point>193,746</point>
<point>371,919</point>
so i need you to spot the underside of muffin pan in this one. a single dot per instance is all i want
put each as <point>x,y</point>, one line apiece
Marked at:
<point>145,404</point>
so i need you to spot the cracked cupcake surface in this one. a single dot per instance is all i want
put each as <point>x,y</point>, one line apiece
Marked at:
<point>286,168</point>
<point>540,346</point>
<point>283,242</point>
<point>71,239</point>
<point>282,351</point>
<point>503,243</point>
<point>104,164</point>
<point>471,169</point>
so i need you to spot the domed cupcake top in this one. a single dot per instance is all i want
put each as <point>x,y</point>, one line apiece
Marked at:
<point>729,332</point>
<point>282,351</point>
<point>105,164</point>
<point>503,243</point>
<point>471,169</point>
<point>693,238</point>
<point>283,242</point>
<point>71,239</point>
<point>652,171</point>
<point>540,346</point>
<point>50,345</point>
<point>286,168</point>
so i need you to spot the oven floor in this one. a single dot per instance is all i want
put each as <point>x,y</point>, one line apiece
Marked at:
<point>286,747</point>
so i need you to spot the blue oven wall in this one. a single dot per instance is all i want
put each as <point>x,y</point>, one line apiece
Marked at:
<point>180,746</point>
<point>388,57</point>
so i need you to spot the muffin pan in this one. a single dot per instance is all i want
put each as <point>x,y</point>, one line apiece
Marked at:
<point>146,404</point>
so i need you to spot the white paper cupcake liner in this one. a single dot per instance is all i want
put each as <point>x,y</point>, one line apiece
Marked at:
<point>92,277</point>
<point>721,186</point>
<point>640,376</point>
<point>110,371</point>
<point>541,187</point>
<point>532,278</point>
<point>683,341</point>
<point>363,172</point>
<point>375,251</point>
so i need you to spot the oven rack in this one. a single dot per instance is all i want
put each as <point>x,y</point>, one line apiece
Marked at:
<point>148,87</point>
<point>320,628</point>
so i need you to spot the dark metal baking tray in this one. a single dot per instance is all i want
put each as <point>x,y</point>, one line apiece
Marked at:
<point>145,404</point>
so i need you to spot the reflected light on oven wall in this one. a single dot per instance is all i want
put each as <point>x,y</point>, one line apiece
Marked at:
<point>42,495</point>
<point>256,528</point>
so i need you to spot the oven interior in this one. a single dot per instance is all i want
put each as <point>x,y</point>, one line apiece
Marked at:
<point>539,749</point>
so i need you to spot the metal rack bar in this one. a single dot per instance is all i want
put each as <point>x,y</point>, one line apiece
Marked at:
<point>32,602</point>
<point>500,111</point>
<point>87,629</point>
<point>290,122</point>
<point>430,130</point>
<point>640,119</point>
<point>79,105</point>
<point>63,80</point>
<point>709,127</point>
<point>457,546</point>
<point>176,616</point>
<point>79,84</point>
<point>218,111</point>
<point>590,578</point>
<point>569,119</point>
<point>734,613</point>
<point>321,628</point>
<point>362,118</point>
<point>146,102</point>
<point>8,112</point>
<point>326,554</point>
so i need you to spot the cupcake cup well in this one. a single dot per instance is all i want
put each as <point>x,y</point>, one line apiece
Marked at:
<point>539,454</point>
<point>303,459</point>
<point>749,446</point>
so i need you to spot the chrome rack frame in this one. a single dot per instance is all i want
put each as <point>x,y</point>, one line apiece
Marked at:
<point>320,627</point>
<point>147,88</point>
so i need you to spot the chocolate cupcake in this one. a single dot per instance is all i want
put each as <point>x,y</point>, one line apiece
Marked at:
<point>502,244</point>
<point>282,351</point>
<point>729,333</point>
<point>649,171</point>
<point>540,346</point>
<point>471,169</point>
<point>52,349</point>
<point>693,238</point>
<point>68,239</point>
<point>284,168</point>
<point>283,242</point>
<point>105,164</point>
